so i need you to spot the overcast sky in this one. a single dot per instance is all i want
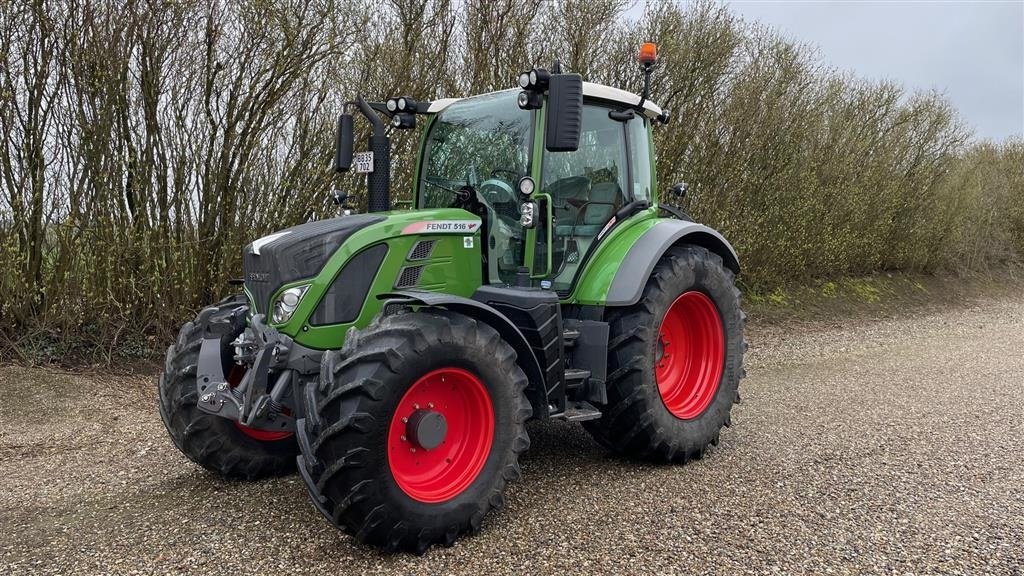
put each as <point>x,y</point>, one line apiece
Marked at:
<point>973,51</point>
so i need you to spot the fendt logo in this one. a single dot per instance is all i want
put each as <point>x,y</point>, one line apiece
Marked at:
<point>258,276</point>
<point>442,227</point>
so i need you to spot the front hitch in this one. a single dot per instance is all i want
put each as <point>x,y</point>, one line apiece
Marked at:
<point>263,349</point>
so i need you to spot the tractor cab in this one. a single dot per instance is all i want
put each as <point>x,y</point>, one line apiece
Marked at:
<point>550,169</point>
<point>489,148</point>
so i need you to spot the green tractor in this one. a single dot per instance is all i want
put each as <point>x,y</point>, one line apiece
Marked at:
<point>394,357</point>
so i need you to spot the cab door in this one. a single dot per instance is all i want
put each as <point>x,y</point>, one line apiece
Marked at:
<point>579,193</point>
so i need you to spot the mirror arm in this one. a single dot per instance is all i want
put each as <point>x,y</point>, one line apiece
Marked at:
<point>371,115</point>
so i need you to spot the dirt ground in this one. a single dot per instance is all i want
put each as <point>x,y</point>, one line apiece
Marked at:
<point>885,446</point>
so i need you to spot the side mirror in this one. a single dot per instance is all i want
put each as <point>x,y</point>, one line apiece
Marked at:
<point>565,113</point>
<point>679,190</point>
<point>344,145</point>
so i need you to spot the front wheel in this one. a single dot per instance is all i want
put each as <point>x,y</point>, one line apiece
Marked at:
<point>675,360</point>
<point>414,429</point>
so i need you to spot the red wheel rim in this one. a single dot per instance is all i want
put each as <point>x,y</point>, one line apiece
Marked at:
<point>444,471</point>
<point>234,379</point>
<point>263,435</point>
<point>690,355</point>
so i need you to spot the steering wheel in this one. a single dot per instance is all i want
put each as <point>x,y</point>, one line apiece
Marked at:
<point>513,174</point>
<point>494,191</point>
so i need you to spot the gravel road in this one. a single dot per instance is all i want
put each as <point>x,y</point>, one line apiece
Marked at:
<point>889,446</point>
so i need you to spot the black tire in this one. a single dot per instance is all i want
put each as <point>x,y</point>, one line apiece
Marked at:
<point>213,442</point>
<point>637,422</point>
<point>349,414</point>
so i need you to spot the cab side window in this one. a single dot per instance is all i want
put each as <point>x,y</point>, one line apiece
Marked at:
<point>640,157</point>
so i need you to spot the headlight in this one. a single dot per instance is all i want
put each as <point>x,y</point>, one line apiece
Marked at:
<point>286,303</point>
<point>527,214</point>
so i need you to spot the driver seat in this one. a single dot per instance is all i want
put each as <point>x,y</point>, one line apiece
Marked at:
<point>592,213</point>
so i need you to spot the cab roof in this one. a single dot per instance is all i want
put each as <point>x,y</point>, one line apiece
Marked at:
<point>590,90</point>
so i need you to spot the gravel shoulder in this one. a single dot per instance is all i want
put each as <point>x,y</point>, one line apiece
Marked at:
<point>882,446</point>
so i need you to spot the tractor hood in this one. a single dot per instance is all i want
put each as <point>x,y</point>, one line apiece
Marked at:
<point>295,253</point>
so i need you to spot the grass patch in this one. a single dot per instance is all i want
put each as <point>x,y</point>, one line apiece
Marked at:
<point>885,294</point>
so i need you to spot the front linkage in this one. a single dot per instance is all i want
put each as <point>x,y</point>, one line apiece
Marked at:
<point>263,349</point>
<point>265,356</point>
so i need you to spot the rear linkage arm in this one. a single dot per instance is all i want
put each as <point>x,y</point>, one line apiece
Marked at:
<point>262,348</point>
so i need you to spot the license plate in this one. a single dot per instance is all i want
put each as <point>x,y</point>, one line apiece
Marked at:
<point>363,162</point>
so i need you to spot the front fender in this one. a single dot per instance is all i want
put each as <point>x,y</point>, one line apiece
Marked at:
<point>525,357</point>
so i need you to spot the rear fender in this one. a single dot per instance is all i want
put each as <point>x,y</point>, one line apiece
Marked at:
<point>628,283</point>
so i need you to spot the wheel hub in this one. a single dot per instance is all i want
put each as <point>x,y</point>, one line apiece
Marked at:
<point>426,429</point>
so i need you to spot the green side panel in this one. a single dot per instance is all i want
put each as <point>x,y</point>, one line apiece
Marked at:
<point>453,267</point>
<point>592,286</point>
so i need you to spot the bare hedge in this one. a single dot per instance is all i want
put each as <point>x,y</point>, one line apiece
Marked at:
<point>143,142</point>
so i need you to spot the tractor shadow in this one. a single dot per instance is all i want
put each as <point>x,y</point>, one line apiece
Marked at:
<point>557,441</point>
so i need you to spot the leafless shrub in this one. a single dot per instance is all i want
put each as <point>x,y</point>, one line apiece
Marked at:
<point>142,143</point>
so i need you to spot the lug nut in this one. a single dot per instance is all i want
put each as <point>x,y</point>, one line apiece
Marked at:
<point>207,397</point>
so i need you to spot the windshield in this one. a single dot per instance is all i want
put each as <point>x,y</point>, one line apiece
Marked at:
<point>480,147</point>
<point>473,141</point>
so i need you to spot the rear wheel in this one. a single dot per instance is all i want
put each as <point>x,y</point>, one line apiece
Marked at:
<point>414,429</point>
<point>675,360</point>
<point>216,443</point>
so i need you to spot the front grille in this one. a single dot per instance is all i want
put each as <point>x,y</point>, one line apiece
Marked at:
<point>409,277</point>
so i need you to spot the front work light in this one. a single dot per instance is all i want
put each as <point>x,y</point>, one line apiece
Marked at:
<point>535,80</point>
<point>286,303</point>
<point>526,186</point>
<point>403,121</point>
<point>529,100</point>
<point>402,104</point>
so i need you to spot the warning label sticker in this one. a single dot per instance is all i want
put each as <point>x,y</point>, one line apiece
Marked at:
<point>442,227</point>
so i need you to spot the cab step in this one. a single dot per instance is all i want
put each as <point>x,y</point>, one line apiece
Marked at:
<point>579,412</point>
<point>575,377</point>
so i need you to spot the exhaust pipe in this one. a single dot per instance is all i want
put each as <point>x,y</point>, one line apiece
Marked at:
<point>378,182</point>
